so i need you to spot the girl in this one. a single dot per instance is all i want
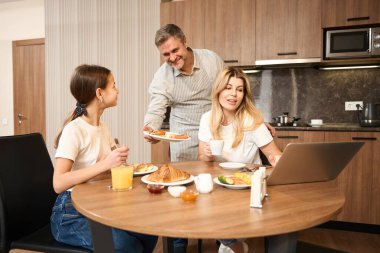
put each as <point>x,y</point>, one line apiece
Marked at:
<point>234,119</point>
<point>84,152</point>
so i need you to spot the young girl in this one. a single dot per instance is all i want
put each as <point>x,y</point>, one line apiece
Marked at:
<point>234,119</point>
<point>84,152</point>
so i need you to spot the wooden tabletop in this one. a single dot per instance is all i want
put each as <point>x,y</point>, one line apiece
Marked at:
<point>223,213</point>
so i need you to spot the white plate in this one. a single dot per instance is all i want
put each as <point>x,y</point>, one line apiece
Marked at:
<point>139,173</point>
<point>230,186</point>
<point>315,125</point>
<point>144,179</point>
<point>164,138</point>
<point>232,166</point>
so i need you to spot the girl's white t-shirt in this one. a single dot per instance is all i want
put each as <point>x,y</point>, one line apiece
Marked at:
<point>84,143</point>
<point>247,151</point>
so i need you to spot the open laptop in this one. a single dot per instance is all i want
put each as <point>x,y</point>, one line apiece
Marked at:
<point>312,162</point>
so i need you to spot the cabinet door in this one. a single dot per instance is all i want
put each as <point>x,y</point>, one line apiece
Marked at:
<point>160,152</point>
<point>337,13</point>
<point>189,16</point>
<point>230,30</point>
<point>360,180</point>
<point>288,29</point>
<point>283,138</point>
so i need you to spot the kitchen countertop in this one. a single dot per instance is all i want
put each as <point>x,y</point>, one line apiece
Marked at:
<point>343,127</point>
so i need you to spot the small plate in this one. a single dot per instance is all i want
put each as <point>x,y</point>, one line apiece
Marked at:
<point>139,173</point>
<point>315,125</point>
<point>232,166</point>
<point>165,138</point>
<point>230,186</point>
<point>144,179</point>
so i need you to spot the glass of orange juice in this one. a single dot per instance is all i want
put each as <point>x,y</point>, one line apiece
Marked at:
<point>122,178</point>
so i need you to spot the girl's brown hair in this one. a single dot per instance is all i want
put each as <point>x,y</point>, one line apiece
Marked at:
<point>247,116</point>
<point>85,80</point>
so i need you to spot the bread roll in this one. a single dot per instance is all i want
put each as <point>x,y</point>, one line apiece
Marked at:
<point>168,174</point>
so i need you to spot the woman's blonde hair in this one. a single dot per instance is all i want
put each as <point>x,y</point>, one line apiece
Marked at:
<point>247,116</point>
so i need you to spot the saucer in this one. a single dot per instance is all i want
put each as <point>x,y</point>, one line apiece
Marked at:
<point>315,125</point>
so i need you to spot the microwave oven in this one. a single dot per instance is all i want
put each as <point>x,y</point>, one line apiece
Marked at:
<point>352,43</point>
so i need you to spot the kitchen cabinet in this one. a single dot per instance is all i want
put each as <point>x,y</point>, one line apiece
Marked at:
<point>283,138</point>
<point>189,16</point>
<point>288,29</point>
<point>230,30</point>
<point>337,13</point>
<point>360,180</point>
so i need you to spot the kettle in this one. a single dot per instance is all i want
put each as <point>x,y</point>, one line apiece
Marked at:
<point>370,115</point>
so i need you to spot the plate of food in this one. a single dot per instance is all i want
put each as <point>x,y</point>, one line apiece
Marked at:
<point>167,175</point>
<point>143,168</point>
<point>232,166</point>
<point>163,135</point>
<point>237,181</point>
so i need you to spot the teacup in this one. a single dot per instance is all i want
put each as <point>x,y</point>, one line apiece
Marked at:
<point>203,183</point>
<point>216,147</point>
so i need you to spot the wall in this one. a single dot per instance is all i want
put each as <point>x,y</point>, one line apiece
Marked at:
<point>19,20</point>
<point>117,34</point>
<point>312,93</point>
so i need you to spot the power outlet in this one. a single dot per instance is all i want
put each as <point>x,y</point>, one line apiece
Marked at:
<point>351,105</point>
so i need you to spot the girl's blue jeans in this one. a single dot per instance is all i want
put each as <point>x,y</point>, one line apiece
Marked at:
<point>71,227</point>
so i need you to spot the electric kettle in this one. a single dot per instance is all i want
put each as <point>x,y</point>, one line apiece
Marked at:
<point>370,115</point>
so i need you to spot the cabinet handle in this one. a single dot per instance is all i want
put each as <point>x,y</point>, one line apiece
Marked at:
<point>287,53</point>
<point>357,19</point>
<point>287,137</point>
<point>364,138</point>
<point>231,61</point>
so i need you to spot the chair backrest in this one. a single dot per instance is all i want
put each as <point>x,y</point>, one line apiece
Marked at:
<point>26,186</point>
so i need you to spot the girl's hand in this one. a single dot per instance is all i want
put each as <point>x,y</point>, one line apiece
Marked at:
<point>117,157</point>
<point>273,159</point>
<point>207,150</point>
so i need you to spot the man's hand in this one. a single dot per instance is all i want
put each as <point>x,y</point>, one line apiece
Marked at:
<point>148,138</point>
<point>271,129</point>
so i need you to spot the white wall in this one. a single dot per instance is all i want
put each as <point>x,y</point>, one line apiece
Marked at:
<point>19,20</point>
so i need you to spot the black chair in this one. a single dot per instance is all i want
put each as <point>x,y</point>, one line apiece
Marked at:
<point>27,196</point>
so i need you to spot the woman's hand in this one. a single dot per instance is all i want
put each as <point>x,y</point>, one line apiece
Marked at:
<point>204,152</point>
<point>148,138</point>
<point>271,129</point>
<point>273,159</point>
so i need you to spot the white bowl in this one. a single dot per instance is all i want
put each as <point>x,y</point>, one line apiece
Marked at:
<point>176,191</point>
<point>316,122</point>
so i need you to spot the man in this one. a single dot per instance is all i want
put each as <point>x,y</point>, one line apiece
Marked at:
<point>184,83</point>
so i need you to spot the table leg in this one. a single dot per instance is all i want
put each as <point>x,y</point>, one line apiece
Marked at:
<point>285,243</point>
<point>101,237</point>
<point>168,243</point>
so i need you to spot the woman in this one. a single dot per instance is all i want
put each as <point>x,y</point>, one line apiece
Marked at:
<point>234,119</point>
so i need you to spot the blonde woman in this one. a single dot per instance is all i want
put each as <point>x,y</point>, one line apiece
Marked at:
<point>234,119</point>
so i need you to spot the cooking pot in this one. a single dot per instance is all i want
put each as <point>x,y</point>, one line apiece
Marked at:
<point>370,115</point>
<point>286,120</point>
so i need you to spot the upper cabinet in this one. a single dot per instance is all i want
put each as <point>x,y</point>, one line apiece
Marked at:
<point>189,15</point>
<point>337,13</point>
<point>226,27</point>
<point>230,30</point>
<point>288,29</point>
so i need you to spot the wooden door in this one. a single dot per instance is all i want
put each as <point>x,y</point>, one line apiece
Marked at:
<point>283,138</point>
<point>359,181</point>
<point>29,86</point>
<point>230,30</point>
<point>336,13</point>
<point>189,16</point>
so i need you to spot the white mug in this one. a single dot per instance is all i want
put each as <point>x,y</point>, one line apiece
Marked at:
<point>203,183</point>
<point>216,147</point>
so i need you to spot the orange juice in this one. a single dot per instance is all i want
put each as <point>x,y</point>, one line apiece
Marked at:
<point>122,178</point>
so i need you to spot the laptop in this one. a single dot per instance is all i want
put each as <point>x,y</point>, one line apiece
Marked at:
<point>312,162</point>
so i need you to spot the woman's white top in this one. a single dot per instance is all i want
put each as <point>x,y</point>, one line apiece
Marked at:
<point>248,149</point>
<point>84,143</point>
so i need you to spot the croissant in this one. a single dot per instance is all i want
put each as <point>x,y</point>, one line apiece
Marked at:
<point>168,174</point>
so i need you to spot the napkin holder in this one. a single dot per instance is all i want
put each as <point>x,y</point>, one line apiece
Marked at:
<point>258,188</point>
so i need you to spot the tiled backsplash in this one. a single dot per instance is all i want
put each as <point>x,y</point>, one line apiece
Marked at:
<point>311,93</point>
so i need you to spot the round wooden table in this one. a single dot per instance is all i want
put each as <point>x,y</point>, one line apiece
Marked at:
<point>223,213</point>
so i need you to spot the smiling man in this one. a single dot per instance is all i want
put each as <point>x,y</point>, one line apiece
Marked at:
<point>184,83</point>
